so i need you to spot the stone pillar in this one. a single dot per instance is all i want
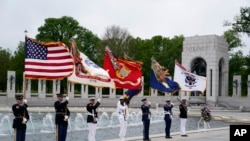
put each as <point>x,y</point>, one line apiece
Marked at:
<point>11,84</point>
<point>98,92</point>
<point>41,88</point>
<point>28,88</point>
<point>237,85</point>
<point>84,91</point>
<point>56,87</point>
<point>112,93</point>
<point>153,92</point>
<point>248,87</point>
<point>71,90</point>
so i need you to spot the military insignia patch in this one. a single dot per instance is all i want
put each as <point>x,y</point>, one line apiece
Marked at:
<point>123,72</point>
<point>190,80</point>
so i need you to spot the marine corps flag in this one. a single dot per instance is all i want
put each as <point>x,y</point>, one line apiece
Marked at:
<point>87,72</point>
<point>159,78</point>
<point>187,80</point>
<point>126,74</point>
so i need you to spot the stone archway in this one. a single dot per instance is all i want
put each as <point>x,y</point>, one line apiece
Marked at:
<point>199,67</point>
<point>208,56</point>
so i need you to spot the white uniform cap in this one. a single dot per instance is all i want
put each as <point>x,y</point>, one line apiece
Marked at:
<point>121,97</point>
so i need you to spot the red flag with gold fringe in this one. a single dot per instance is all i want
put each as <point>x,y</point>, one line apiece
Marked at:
<point>126,74</point>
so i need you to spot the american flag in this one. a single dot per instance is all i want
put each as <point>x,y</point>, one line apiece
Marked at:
<point>47,60</point>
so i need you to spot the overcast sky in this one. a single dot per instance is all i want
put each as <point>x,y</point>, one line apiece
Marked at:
<point>142,18</point>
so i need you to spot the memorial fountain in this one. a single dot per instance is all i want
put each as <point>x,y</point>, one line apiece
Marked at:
<point>41,125</point>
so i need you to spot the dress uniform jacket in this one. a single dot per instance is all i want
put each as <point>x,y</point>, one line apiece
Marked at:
<point>183,111</point>
<point>20,111</point>
<point>92,113</point>
<point>145,112</point>
<point>61,111</point>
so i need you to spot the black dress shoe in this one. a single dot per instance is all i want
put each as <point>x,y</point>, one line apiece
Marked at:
<point>168,137</point>
<point>184,135</point>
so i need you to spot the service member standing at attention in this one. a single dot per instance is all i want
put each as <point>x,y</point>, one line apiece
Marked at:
<point>183,117</point>
<point>146,114</point>
<point>168,117</point>
<point>92,116</point>
<point>21,117</point>
<point>62,116</point>
<point>122,110</point>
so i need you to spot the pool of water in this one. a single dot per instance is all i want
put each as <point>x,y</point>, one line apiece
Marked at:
<point>41,126</point>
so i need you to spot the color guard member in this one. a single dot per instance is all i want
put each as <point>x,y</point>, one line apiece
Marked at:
<point>21,117</point>
<point>183,117</point>
<point>92,116</point>
<point>122,110</point>
<point>168,117</point>
<point>61,118</point>
<point>146,115</point>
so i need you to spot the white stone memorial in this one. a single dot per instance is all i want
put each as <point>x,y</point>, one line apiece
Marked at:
<point>208,56</point>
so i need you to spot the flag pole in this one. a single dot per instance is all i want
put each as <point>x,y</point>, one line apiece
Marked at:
<point>24,78</point>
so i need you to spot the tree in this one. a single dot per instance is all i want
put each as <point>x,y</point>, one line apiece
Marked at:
<point>233,39</point>
<point>241,22</point>
<point>236,64</point>
<point>117,39</point>
<point>17,64</point>
<point>63,29</point>
<point>4,61</point>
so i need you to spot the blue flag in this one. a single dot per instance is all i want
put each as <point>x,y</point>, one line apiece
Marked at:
<point>130,93</point>
<point>168,85</point>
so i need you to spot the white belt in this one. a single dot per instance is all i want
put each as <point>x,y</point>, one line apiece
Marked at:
<point>90,114</point>
<point>168,113</point>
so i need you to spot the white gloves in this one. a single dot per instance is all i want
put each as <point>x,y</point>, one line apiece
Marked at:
<point>66,117</point>
<point>67,98</point>
<point>25,101</point>
<point>172,104</point>
<point>149,103</point>
<point>98,100</point>
<point>24,120</point>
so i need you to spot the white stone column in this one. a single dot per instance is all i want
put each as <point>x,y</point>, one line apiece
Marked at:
<point>41,88</point>
<point>237,85</point>
<point>84,91</point>
<point>248,87</point>
<point>28,88</point>
<point>98,92</point>
<point>112,93</point>
<point>153,92</point>
<point>11,84</point>
<point>71,90</point>
<point>56,87</point>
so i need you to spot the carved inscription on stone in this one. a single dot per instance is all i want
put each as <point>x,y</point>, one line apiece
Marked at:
<point>197,48</point>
